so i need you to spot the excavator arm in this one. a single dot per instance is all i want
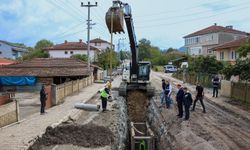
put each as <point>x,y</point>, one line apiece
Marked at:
<point>123,10</point>
<point>139,71</point>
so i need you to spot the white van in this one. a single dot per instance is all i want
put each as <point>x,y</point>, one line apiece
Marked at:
<point>170,68</point>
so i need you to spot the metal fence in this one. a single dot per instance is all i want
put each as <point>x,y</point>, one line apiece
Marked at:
<point>241,91</point>
<point>193,78</point>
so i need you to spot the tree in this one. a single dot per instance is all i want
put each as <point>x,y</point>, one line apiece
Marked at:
<point>82,57</point>
<point>43,44</point>
<point>38,51</point>
<point>144,47</point>
<point>242,66</point>
<point>207,64</point>
<point>244,50</point>
<point>103,59</point>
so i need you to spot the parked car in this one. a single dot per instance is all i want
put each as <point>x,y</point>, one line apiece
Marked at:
<point>170,68</point>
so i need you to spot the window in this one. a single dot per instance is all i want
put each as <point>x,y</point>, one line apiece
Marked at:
<point>232,55</point>
<point>66,52</point>
<point>221,55</point>
<point>0,52</point>
<point>71,52</point>
<point>199,51</point>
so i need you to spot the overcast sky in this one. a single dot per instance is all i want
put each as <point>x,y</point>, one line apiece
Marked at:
<point>164,22</point>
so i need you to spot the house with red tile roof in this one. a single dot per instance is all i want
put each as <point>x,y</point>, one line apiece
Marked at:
<point>228,51</point>
<point>203,41</point>
<point>6,62</point>
<point>67,49</point>
<point>100,43</point>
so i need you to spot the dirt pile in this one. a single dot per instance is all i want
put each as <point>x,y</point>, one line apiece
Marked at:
<point>89,135</point>
<point>137,106</point>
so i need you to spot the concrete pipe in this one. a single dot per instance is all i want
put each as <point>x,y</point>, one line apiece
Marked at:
<point>89,107</point>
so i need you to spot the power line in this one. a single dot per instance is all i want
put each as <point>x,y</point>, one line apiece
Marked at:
<point>177,10</point>
<point>195,19</point>
<point>74,33</point>
<point>191,14</point>
<point>58,6</point>
<point>68,29</point>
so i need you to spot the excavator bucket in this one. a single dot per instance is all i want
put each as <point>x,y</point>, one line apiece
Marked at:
<point>117,14</point>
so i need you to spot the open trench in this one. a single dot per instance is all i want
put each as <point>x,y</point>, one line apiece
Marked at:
<point>110,130</point>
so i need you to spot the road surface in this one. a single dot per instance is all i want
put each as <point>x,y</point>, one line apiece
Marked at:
<point>217,129</point>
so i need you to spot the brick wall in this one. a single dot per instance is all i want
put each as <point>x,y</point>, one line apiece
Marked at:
<point>8,113</point>
<point>4,98</point>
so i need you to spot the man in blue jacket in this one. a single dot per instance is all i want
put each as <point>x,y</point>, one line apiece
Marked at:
<point>179,100</point>
<point>187,101</point>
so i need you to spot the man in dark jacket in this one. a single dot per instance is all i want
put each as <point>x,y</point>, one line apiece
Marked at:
<point>179,99</point>
<point>43,98</point>
<point>199,96</point>
<point>187,101</point>
<point>216,83</point>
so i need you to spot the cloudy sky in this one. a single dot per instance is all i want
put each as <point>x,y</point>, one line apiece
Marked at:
<point>164,22</point>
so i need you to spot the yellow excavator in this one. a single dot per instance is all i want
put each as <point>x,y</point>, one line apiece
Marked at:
<point>139,78</point>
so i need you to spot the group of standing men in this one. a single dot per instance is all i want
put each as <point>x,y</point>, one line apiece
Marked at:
<point>183,98</point>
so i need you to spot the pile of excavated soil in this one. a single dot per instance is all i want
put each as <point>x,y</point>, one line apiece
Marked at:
<point>89,135</point>
<point>137,106</point>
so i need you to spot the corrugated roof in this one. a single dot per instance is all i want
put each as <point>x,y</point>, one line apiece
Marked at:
<point>232,44</point>
<point>47,67</point>
<point>71,46</point>
<point>215,29</point>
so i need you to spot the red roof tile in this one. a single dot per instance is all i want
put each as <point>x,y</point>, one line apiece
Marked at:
<point>71,46</point>
<point>6,61</point>
<point>215,29</point>
<point>47,67</point>
<point>232,44</point>
<point>99,40</point>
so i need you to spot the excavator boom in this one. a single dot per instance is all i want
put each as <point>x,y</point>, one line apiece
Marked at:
<point>139,71</point>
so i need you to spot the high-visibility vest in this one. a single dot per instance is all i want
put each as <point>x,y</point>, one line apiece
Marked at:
<point>142,145</point>
<point>104,94</point>
<point>109,85</point>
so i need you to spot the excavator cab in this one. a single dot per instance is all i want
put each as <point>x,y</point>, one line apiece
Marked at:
<point>143,71</point>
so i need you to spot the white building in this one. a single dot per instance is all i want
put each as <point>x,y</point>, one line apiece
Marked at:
<point>10,50</point>
<point>67,49</point>
<point>203,41</point>
<point>100,44</point>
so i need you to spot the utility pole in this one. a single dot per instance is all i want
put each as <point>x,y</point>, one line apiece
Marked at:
<point>111,41</point>
<point>119,46</point>
<point>88,24</point>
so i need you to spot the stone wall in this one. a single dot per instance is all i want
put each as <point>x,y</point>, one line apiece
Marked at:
<point>164,140</point>
<point>8,113</point>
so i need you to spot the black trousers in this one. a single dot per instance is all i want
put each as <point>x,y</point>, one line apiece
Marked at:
<point>43,104</point>
<point>200,98</point>
<point>180,108</point>
<point>215,92</point>
<point>187,107</point>
<point>104,103</point>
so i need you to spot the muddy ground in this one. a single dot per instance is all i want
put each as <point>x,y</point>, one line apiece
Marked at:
<point>216,129</point>
<point>137,102</point>
<point>92,130</point>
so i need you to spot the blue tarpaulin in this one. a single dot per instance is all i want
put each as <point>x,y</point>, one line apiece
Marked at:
<point>19,80</point>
